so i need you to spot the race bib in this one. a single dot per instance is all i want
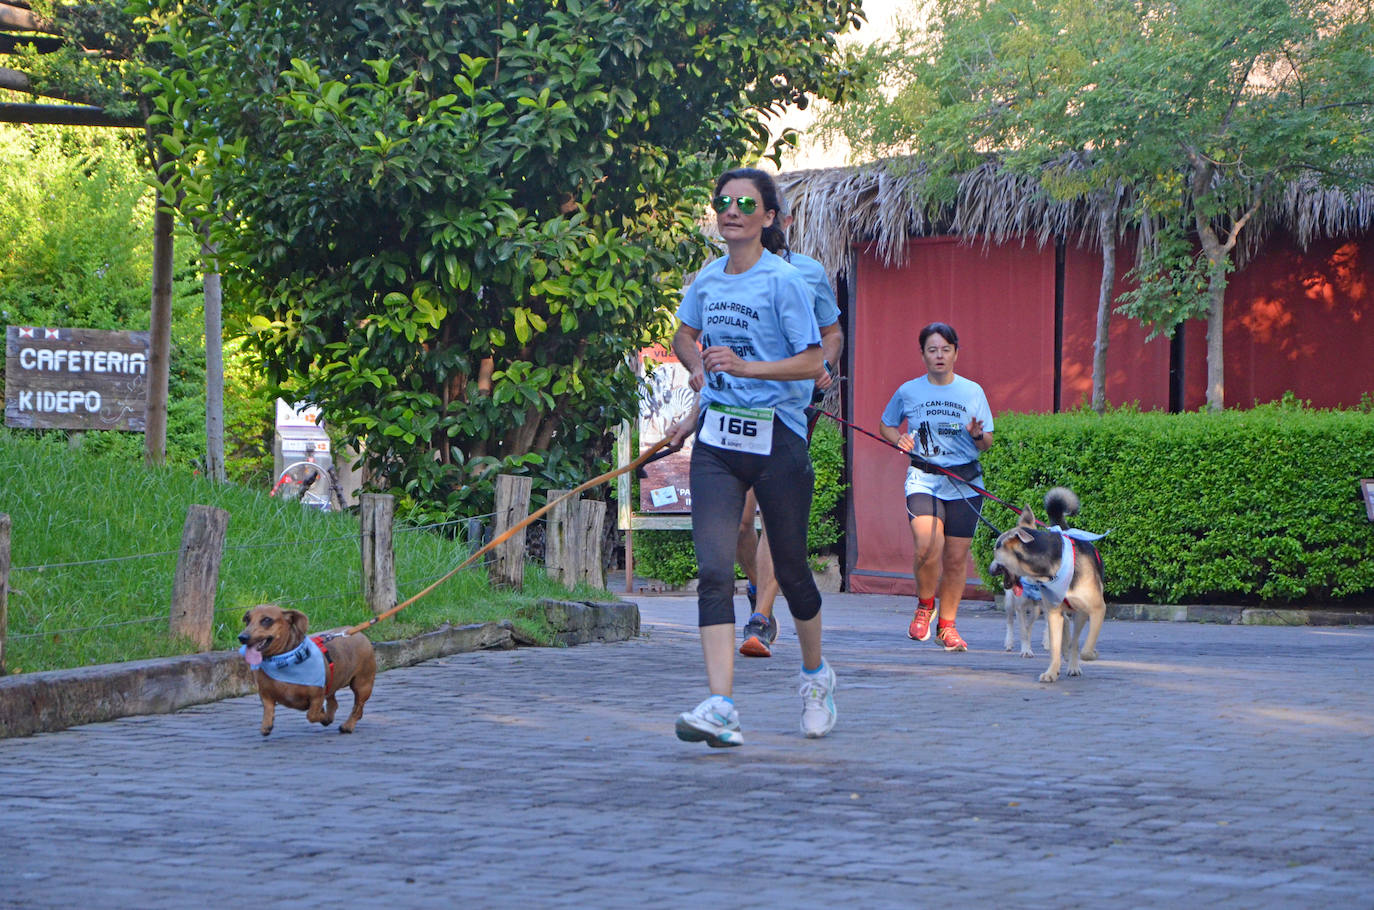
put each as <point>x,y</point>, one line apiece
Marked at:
<point>738,429</point>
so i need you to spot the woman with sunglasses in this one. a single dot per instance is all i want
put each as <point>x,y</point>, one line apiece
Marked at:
<point>751,313</point>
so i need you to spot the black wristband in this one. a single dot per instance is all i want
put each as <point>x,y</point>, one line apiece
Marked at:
<point>978,438</point>
<point>828,367</point>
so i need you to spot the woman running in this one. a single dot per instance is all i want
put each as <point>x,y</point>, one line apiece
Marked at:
<point>948,423</point>
<point>760,352</point>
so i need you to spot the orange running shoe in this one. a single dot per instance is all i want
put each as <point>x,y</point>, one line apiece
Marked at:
<point>919,630</point>
<point>951,639</point>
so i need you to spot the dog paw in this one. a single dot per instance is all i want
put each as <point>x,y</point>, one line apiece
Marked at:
<point>1027,652</point>
<point>1089,655</point>
<point>265,730</point>
<point>1048,677</point>
<point>346,728</point>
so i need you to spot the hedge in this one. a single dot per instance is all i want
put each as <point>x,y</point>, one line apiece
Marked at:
<point>1253,506</point>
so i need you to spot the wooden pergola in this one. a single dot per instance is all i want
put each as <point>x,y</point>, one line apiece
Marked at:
<point>21,27</point>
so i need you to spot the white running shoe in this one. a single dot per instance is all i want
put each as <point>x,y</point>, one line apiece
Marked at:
<point>818,701</point>
<point>715,722</point>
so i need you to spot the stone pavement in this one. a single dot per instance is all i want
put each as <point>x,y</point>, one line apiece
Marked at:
<point>1193,765</point>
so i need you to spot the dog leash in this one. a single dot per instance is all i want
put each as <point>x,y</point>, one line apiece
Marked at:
<point>652,453</point>
<point>920,463</point>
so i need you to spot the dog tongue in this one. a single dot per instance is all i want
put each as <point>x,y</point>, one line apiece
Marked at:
<point>253,656</point>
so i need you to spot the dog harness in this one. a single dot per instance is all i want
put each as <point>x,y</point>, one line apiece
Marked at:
<point>1054,589</point>
<point>308,664</point>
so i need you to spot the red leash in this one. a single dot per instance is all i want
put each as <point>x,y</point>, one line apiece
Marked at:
<point>916,459</point>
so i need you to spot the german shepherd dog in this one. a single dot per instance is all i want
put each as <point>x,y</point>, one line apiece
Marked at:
<point>1041,556</point>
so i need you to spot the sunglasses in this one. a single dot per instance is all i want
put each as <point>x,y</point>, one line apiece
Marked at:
<point>746,204</point>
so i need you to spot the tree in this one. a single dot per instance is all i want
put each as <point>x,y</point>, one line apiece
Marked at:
<point>1182,117</point>
<point>1241,100</point>
<point>452,224</point>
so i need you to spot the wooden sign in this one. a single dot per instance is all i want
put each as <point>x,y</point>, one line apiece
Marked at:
<point>75,379</point>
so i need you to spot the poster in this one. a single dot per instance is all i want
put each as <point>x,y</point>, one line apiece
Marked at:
<point>667,397</point>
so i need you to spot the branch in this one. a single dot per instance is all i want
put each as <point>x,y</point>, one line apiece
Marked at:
<point>1254,207</point>
<point>64,115</point>
<point>1237,95</point>
<point>43,44</point>
<point>19,19</point>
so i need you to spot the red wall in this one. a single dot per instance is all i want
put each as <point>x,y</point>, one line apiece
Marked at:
<point>1294,321</point>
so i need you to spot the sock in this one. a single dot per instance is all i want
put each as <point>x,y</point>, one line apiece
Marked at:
<point>816,671</point>
<point>725,698</point>
<point>945,624</point>
<point>927,602</point>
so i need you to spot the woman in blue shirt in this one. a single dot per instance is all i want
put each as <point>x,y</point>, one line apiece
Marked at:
<point>948,423</point>
<point>751,313</point>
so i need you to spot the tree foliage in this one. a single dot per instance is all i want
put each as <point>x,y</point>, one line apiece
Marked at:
<point>450,224</point>
<point>1193,114</point>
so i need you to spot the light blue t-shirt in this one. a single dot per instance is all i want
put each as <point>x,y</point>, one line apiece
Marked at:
<point>762,314</point>
<point>822,295</point>
<point>937,419</point>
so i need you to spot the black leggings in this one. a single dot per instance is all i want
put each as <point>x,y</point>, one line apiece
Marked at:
<point>783,481</point>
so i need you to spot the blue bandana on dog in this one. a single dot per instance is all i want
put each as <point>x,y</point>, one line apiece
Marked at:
<point>304,665</point>
<point>1053,591</point>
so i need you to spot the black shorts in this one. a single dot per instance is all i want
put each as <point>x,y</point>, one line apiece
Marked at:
<point>959,516</point>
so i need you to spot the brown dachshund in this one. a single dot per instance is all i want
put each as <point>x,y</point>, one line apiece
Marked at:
<point>303,672</point>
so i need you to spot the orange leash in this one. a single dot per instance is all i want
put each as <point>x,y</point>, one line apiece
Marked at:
<point>645,456</point>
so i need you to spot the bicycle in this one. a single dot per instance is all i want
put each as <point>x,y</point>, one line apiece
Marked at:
<point>314,485</point>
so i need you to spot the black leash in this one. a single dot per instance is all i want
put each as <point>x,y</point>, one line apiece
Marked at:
<point>921,464</point>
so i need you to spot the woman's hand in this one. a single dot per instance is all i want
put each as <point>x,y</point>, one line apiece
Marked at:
<point>677,433</point>
<point>905,442</point>
<point>722,359</point>
<point>975,428</point>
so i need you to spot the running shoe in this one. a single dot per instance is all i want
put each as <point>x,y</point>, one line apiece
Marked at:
<point>714,722</point>
<point>919,630</point>
<point>759,634</point>
<point>951,639</point>
<point>818,701</point>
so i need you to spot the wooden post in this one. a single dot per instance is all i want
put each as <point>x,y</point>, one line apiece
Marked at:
<point>591,518</point>
<point>197,574</point>
<point>4,585</point>
<point>558,533</point>
<point>512,505</point>
<point>629,559</point>
<point>376,512</point>
<point>624,508</point>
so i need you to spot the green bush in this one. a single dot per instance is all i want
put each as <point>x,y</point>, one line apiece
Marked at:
<point>77,252</point>
<point>1255,506</point>
<point>665,555</point>
<point>668,556</point>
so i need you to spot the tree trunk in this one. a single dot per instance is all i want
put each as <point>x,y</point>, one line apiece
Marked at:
<point>159,336</point>
<point>1216,327</point>
<point>1106,235</point>
<point>214,372</point>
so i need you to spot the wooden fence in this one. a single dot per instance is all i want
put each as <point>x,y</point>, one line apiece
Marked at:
<point>572,554</point>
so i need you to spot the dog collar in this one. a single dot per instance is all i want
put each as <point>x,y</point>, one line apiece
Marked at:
<point>303,665</point>
<point>1052,590</point>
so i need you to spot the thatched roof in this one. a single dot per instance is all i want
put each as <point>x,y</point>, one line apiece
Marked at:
<point>878,206</point>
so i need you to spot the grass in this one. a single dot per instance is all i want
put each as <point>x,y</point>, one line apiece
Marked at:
<point>93,553</point>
